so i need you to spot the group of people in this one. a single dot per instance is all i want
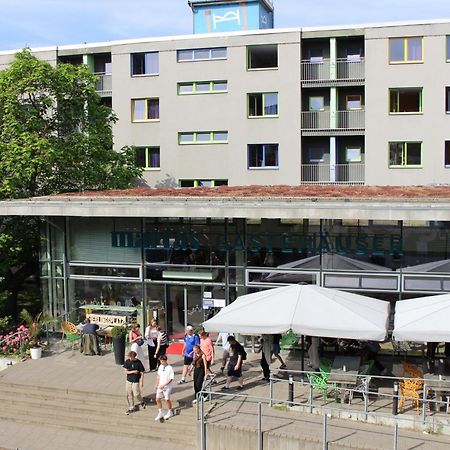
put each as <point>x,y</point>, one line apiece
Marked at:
<point>198,356</point>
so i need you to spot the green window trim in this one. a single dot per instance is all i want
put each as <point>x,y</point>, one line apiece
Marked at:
<point>201,137</point>
<point>396,101</point>
<point>406,41</point>
<point>203,87</point>
<point>258,105</point>
<point>401,153</point>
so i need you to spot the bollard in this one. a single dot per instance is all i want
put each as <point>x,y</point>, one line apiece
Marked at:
<point>260,432</point>
<point>325,431</point>
<point>271,390</point>
<point>202,424</point>
<point>395,399</point>
<point>395,443</point>
<point>291,389</point>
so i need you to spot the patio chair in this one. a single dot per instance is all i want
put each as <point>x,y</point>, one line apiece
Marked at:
<point>411,370</point>
<point>70,332</point>
<point>319,384</point>
<point>325,366</point>
<point>411,390</point>
<point>363,381</point>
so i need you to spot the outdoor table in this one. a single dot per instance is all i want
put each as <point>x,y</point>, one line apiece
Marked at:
<point>346,377</point>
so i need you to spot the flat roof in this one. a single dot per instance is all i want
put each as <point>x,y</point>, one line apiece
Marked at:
<point>421,203</point>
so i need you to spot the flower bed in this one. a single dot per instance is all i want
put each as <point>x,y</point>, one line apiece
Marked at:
<point>15,343</point>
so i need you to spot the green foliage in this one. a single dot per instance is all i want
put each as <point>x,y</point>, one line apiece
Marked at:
<point>4,324</point>
<point>36,324</point>
<point>289,340</point>
<point>119,332</point>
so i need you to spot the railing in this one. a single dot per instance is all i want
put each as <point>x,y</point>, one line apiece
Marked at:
<point>104,83</point>
<point>342,120</point>
<point>326,70</point>
<point>332,173</point>
<point>425,421</point>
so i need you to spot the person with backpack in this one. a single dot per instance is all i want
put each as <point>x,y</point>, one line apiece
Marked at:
<point>237,357</point>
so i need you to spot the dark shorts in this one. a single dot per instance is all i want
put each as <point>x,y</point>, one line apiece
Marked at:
<point>234,373</point>
<point>276,349</point>
<point>187,361</point>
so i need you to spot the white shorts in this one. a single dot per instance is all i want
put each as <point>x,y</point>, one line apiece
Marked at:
<point>164,393</point>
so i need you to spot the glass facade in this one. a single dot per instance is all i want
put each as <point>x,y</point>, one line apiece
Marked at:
<point>183,270</point>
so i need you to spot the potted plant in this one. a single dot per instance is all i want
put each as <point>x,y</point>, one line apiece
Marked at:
<point>35,326</point>
<point>119,334</point>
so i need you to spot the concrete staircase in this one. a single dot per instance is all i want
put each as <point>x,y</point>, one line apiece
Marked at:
<point>94,412</point>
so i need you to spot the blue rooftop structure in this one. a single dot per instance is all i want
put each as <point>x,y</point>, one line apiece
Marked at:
<point>215,16</point>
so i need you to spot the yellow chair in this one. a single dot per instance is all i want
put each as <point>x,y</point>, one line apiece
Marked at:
<point>70,332</point>
<point>411,390</point>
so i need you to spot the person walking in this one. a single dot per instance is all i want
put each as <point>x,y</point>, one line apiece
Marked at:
<point>207,348</point>
<point>164,383</point>
<point>190,340</point>
<point>162,342</point>
<point>137,341</point>
<point>200,367</point>
<point>266,355</point>
<point>223,336</point>
<point>151,334</point>
<point>234,369</point>
<point>276,349</point>
<point>134,371</point>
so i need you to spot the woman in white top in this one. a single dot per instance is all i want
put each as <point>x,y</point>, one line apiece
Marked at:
<point>151,334</point>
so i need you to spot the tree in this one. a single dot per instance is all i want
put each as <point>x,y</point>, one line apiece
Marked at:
<point>55,136</point>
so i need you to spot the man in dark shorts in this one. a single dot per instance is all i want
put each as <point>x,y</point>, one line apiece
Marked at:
<point>134,371</point>
<point>191,339</point>
<point>234,368</point>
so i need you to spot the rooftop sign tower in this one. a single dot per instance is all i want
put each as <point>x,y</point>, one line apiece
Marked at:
<point>215,16</point>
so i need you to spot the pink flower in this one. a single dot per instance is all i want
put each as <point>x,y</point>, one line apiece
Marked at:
<point>14,350</point>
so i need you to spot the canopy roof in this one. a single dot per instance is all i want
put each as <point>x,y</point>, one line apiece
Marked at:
<point>306,309</point>
<point>424,319</point>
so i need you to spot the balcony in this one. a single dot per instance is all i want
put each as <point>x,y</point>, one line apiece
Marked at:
<point>103,85</point>
<point>340,72</point>
<point>327,123</point>
<point>332,173</point>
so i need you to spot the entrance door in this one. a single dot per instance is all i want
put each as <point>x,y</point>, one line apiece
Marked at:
<point>184,307</point>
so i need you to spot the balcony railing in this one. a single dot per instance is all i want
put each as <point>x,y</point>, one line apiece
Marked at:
<point>333,173</point>
<point>104,83</point>
<point>326,71</point>
<point>340,120</point>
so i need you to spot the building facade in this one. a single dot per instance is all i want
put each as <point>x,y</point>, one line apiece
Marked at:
<point>364,105</point>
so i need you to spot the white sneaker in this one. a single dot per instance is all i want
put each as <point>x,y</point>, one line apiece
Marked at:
<point>159,416</point>
<point>169,414</point>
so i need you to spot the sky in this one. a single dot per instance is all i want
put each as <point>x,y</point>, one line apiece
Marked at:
<point>40,23</point>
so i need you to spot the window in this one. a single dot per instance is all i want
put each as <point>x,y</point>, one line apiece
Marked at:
<point>447,154</point>
<point>144,63</point>
<point>403,50</point>
<point>353,102</point>
<point>203,137</point>
<point>202,87</point>
<point>448,48</point>
<point>353,154</point>
<point>262,155</point>
<point>144,109</point>
<point>407,100</point>
<point>405,154</point>
<point>263,104</point>
<point>147,157</point>
<point>316,155</point>
<point>202,183</point>
<point>262,57</point>
<point>202,54</point>
<point>316,103</point>
<point>447,100</point>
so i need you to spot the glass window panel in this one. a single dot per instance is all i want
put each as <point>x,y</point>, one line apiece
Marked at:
<point>202,53</point>
<point>353,154</point>
<point>185,55</point>
<point>316,103</point>
<point>393,101</point>
<point>254,155</point>
<point>396,50</point>
<point>202,87</point>
<point>220,182</point>
<point>186,137</point>
<point>152,63</point>
<point>108,68</point>
<point>137,64</point>
<point>203,137</point>
<point>263,57</point>
<point>140,157</point>
<point>316,155</point>
<point>414,49</point>
<point>205,183</point>
<point>395,153</point>
<point>447,102</point>
<point>154,157</point>
<point>219,86</point>
<point>448,48</point>
<point>271,155</point>
<point>220,52</point>
<point>139,109</point>
<point>220,136</point>
<point>186,88</point>
<point>409,100</point>
<point>153,108</point>
<point>186,183</point>
<point>413,156</point>
<point>447,154</point>
<point>271,104</point>
<point>353,102</point>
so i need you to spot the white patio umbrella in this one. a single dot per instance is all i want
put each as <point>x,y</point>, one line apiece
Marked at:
<point>306,309</point>
<point>423,319</point>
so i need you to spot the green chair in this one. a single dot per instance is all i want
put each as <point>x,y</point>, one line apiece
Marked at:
<point>70,332</point>
<point>319,384</point>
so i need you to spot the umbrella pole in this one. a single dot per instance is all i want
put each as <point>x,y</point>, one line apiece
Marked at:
<point>303,354</point>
